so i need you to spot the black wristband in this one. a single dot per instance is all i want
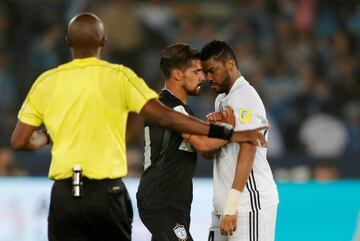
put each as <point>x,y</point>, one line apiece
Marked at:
<point>220,131</point>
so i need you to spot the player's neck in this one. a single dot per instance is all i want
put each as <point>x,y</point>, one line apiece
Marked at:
<point>233,78</point>
<point>176,91</point>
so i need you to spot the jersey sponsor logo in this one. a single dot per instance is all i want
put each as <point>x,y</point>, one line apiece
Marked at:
<point>185,146</point>
<point>180,232</point>
<point>245,115</point>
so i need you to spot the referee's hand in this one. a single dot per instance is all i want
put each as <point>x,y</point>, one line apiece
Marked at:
<point>228,224</point>
<point>39,138</point>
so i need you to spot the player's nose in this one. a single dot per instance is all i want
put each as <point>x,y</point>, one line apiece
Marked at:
<point>209,78</point>
<point>202,77</point>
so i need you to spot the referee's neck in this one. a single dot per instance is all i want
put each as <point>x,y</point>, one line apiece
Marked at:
<point>85,53</point>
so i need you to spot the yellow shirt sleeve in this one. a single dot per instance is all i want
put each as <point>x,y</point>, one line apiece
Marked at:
<point>31,112</point>
<point>137,92</point>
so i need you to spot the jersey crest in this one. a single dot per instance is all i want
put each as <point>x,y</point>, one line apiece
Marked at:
<point>180,232</point>
<point>245,115</point>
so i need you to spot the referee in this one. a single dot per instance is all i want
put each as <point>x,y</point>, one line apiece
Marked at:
<point>84,106</point>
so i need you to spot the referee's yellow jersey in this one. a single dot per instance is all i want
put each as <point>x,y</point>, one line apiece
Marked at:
<point>84,105</point>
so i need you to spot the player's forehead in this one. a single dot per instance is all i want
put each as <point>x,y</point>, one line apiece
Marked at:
<point>210,64</point>
<point>196,64</point>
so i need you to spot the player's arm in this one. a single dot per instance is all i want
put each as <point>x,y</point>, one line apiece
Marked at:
<point>243,168</point>
<point>207,146</point>
<point>245,119</point>
<point>244,165</point>
<point>26,137</point>
<point>204,144</point>
<point>162,115</point>
<point>166,117</point>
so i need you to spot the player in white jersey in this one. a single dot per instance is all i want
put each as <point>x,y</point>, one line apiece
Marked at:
<point>245,194</point>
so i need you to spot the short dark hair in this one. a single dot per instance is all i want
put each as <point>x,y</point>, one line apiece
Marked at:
<point>178,55</point>
<point>219,50</point>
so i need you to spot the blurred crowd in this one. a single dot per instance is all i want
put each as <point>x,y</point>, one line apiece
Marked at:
<point>302,56</point>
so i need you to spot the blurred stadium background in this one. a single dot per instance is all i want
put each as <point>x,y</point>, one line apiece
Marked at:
<point>301,55</point>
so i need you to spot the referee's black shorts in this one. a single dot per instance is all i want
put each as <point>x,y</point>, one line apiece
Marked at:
<point>104,212</point>
<point>166,224</point>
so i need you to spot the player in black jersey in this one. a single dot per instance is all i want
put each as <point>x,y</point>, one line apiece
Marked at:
<point>165,192</point>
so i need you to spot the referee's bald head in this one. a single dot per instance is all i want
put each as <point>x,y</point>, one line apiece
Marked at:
<point>85,32</point>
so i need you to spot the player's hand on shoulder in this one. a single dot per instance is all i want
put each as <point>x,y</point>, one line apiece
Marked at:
<point>225,116</point>
<point>228,116</point>
<point>228,224</point>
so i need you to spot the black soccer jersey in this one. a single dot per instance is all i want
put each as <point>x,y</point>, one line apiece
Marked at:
<point>169,163</point>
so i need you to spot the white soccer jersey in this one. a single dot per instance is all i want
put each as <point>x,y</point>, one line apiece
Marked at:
<point>260,191</point>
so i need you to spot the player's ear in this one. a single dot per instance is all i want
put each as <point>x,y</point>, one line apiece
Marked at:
<point>177,74</point>
<point>230,64</point>
<point>67,40</point>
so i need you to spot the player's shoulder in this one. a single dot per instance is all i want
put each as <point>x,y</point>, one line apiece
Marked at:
<point>166,99</point>
<point>244,87</point>
<point>245,91</point>
<point>171,101</point>
<point>181,109</point>
<point>219,97</point>
<point>245,95</point>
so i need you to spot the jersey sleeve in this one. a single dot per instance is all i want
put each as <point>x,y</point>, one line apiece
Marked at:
<point>248,110</point>
<point>137,92</point>
<point>31,112</point>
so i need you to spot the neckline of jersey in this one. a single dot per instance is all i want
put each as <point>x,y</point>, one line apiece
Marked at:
<point>239,81</point>
<point>85,60</point>
<point>173,96</point>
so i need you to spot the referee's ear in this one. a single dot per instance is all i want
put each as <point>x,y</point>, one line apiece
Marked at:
<point>67,40</point>
<point>103,41</point>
